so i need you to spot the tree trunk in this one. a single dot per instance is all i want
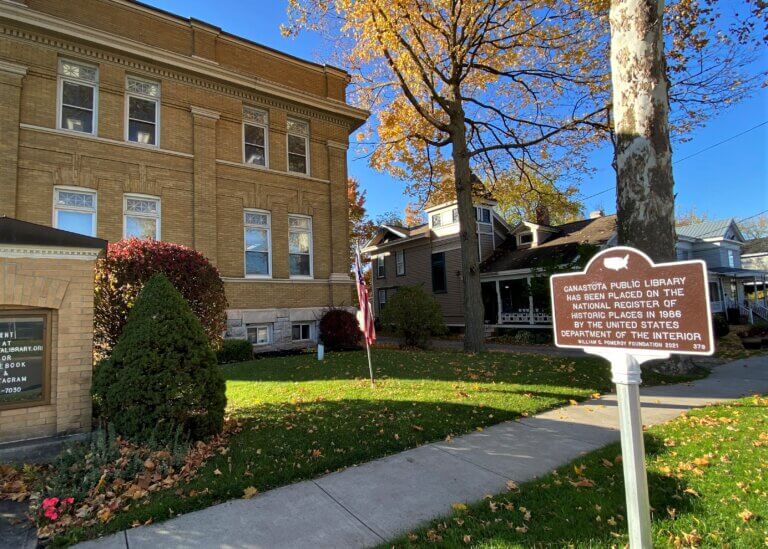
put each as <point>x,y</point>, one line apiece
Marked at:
<point>644,195</point>
<point>474,334</point>
<point>644,184</point>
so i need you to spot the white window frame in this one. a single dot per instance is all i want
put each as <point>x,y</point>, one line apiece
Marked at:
<point>520,239</point>
<point>144,97</point>
<point>61,78</point>
<point>400,263</point>
<point>455,215</point>
<point>82,190</point>
<point>311,247</point>
<point>158,217</point>
<point>731,259</point>
<point>310,331</point>
<point>306,145</point>
<point>381,292</point>
<point>439,217</point>
<point>268,228</point>
<point>264,126</point>
<point>257,327</point>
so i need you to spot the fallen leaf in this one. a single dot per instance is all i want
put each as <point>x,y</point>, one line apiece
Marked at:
<point>217,472</point>
<point>747,515</point>
<point>249,492</point>
<point>511,485</point>
<point>459,506</point>
<point>583,483</point>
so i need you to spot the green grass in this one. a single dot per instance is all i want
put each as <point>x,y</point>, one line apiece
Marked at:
<point>303,418</point>
<point>708,487</point>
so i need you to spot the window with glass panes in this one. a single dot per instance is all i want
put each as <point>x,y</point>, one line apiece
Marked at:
<point>258,334</point>
<point>143,111</point>
<point>141,217</point>
<point>255,137</point>
<point>298,146</point>
<point>301,332</point>
<point>78,96</point>
<point>74,210</point>
<point>300,245</point>
<point>258,244</point>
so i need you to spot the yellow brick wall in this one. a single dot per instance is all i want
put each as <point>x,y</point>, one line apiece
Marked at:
<point>64,287</point>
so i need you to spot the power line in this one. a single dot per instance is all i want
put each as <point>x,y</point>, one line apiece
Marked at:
<point>726,140</point>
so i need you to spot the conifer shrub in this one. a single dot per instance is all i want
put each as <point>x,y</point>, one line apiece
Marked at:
<point>721,327</point>
<point>339,330</point>
<point>414,316</point>
<point>234,350</point>
<point>126,267</point>
<point>161,376</point>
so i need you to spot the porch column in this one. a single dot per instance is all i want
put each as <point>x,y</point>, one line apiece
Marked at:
<point>530,301</point>
<point>498,301</point>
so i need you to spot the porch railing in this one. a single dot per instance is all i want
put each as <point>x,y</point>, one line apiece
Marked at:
<point>747,312</point>
<point>760,310</point>
<point>526,316</point>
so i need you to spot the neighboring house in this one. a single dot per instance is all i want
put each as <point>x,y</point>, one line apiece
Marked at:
<point>124,120</point>
<point>754,254</point>
<point>429,255</point>
<point>734,281</point>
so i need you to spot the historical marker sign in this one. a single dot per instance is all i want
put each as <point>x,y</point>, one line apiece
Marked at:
<point>23,358</point>
<point>623,301</point>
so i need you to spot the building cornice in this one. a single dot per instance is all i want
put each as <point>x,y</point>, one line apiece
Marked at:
<point>205,113</point>
<point>201,67</point>
<point>13,68</point>
<point>39,252</point>
<point>332,280</point>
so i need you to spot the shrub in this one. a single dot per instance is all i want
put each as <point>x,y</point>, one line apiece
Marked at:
<point>234,350</point>
<point>162,374</point>
<point>414,316</point>
<point>720,324</point>
<point>339,330</point>
<point>128,264</point>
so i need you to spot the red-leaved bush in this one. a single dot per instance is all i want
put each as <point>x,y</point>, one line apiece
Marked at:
<point>128,264</point>
<point>339,330</point>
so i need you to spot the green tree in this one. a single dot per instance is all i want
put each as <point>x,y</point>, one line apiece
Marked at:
<point>414,315</point>
<point>162,375</point>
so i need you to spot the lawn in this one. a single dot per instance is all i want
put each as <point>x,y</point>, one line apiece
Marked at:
<point>302,418</point>
<point>708,488</point>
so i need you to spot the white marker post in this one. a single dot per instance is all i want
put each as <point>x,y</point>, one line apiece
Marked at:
<point>628,310</point>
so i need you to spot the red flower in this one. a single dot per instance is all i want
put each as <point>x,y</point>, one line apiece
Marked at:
<point>51,513</point>
<point>49,503</point>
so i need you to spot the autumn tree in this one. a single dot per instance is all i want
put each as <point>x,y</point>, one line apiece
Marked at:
<point>361,228</point>
<point>465,89</point>
<point>414,215</point>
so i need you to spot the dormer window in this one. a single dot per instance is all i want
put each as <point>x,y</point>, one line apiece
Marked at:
<point>437,220</point>
<point>483,215</point>
<point>525,238</point>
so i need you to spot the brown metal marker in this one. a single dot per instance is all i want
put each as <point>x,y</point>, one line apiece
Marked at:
<point>628,310</point>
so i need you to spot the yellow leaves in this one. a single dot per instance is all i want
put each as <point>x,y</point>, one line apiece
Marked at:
<point>747,515</point>
<point>573,402</point>
<point>579,469</point>
<point>512,486</point>
<point>595,396</point>
<point>691,539</point>
<point>104,514</point>
<point>459,506</point>
<point>250,492</point>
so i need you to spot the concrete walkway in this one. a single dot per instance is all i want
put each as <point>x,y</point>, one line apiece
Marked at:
<point>369,504</point>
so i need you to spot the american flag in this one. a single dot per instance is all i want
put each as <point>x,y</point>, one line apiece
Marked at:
<point>366,312</point>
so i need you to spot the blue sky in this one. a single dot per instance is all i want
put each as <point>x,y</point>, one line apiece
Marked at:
<point>729,180</point>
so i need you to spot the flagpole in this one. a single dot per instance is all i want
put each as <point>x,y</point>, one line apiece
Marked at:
<point>370,364</point>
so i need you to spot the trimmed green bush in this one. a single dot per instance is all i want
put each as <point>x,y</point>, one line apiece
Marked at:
<point>721,326</point>
<point>162,374</point>
<point>414,316</point>
<point>339,330</point>
<point>234,350</point>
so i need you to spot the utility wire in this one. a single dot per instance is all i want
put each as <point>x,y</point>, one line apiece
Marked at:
<point>726,140</point>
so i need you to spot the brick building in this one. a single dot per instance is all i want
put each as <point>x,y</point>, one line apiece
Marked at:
<point>120,120</point>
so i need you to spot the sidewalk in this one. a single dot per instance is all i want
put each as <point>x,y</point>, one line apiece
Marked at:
<point>366,505</point>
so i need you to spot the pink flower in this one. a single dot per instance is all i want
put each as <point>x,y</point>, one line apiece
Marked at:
<point>50,502</point>
<point>51,513</point>
<point>69,501</point>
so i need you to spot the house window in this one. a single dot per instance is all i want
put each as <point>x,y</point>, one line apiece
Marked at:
<point>141,217</point>
<point>298,146</point>
<point>483,215</point>
<point>78,96</point>
<point>731,259</point>
<point>301,332</point>
<point>258,243</point>
<point>437,220</point>
<point>300,245</point>
<point>259,334</point>
<point>455,215</point>
<point>74,210</point>
<point>526,238</point>
<point>400,261</point>
<point>439,281</point>
<point>380,268</point>
<point>255,136</point>
<point>382,299</point>
<point>143,111</point>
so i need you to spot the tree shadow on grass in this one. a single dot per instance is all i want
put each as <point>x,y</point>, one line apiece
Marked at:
<point>425,366</point>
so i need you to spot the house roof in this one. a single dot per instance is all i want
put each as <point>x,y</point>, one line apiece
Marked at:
<point>23,233</point>
<point>564,246</point>
<point>755,246</point>
<point>705,229</point>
